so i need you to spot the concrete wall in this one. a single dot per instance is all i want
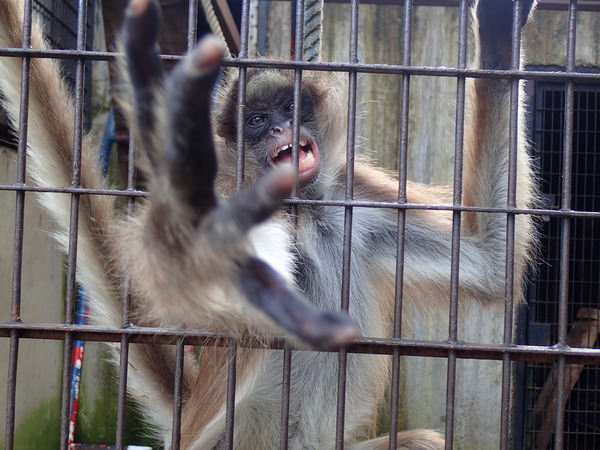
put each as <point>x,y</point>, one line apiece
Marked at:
<point>38,381</point>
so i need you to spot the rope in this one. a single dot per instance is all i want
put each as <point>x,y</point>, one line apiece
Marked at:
<point>215,26</point>
<point>313,30</point>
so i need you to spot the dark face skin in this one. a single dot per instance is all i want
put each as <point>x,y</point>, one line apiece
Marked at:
<point>269,132</point>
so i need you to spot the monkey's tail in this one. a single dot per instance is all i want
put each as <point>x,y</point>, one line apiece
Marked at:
<point>51,141</point>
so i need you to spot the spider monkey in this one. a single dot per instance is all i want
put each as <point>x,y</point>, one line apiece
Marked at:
<point>195,259</point>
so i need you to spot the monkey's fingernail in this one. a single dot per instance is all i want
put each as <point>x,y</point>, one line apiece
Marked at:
<point>207,54</point>
<point>283,179</point>
<point>137,7</point>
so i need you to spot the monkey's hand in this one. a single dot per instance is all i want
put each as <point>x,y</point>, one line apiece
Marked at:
<point>200,234</point>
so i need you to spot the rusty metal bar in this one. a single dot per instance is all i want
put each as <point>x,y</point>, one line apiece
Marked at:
<point>192,24</point>
<point>285,397</point>
<point>245,62</point>
<point>240,169</point>
<point>379,346</point>
<point>71,287</point>
<point>348,218</point>
<point>230,402</point>
<point>13,356</point>
<point>556,5</point>
<point>402,198</point>
<point>178,395</point>
<point>343,203</point>
<point>456,224</point>
<point>567,170</point>
<point>515,89</point>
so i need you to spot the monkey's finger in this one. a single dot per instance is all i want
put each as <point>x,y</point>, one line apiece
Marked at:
<point>257,202</point>
<point>142,24</point>
<point>189,147</point>
<point>269,292</point>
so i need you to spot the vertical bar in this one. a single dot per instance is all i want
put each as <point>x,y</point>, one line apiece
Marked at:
<point>348,214</point>
<point>510,227</point>
<point>125,312</point>
<point>192,23</point>
<point>230,402</point>
<point>565,229</point>
<point>74,222</point>
<point>240,163</point>
<point>177,395</point>
<point>241,144</point>
<point>285,398</point>
<point>298,30</point>
<point>11,391</point>
<point>402,180</point>
<point>456,222</point>
<point>122,392</point>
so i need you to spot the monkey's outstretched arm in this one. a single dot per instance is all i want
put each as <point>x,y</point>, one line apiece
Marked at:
<point>185,222</point>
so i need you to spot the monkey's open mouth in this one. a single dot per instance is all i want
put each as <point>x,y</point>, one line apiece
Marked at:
<point>308,158</point>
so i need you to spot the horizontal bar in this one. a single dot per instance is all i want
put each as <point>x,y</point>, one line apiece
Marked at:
<point>390,69</point>
<point>340,203</point>
<point>72,190</point>
<point>554,5</point>
<point>379,346</point>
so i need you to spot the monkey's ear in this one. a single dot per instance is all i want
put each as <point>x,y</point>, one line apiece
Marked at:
<point>269,292</point>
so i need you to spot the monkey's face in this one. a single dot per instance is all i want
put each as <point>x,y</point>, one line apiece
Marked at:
<point>269,132</point>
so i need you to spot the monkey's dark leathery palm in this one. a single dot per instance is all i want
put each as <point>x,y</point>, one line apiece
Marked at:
<point>186,164</point>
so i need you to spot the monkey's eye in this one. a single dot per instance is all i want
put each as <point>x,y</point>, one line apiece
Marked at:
<point>256,121</point>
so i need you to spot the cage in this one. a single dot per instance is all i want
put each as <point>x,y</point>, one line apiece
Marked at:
<point>563,289</point>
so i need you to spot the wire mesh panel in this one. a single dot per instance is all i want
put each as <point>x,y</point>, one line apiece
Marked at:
<point>581,411</point>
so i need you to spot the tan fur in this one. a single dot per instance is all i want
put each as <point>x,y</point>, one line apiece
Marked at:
<point>407,440</point>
